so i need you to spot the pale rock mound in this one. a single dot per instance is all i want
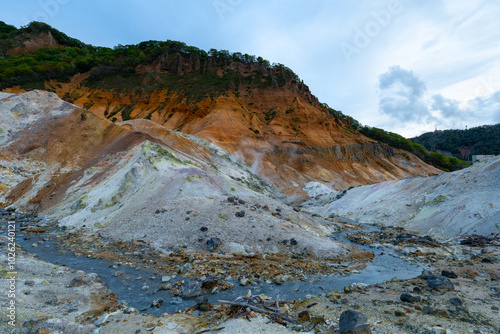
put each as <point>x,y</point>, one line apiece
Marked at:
<point>445,206</point>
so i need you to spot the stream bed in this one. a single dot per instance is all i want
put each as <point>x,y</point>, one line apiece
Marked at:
<point>139,287</point>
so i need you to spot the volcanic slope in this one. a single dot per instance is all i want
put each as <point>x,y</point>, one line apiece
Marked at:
<point>445,206</point>
<point>260,112</point>
<point>282,132</point>
<point>138,180</point>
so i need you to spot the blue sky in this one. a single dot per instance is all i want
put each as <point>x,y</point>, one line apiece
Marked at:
<point>406,66</point>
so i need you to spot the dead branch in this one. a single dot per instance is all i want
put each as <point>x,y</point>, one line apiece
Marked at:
<point>257,309</point>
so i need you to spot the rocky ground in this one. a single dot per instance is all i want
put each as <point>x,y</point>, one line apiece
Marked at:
<point>445,206</point>
<point>208,233</point>
<point>461,294</point>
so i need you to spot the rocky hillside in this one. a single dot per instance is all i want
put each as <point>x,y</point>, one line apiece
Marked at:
<point>445,206</point>
<point>138,180</point>
<point>260,112</point>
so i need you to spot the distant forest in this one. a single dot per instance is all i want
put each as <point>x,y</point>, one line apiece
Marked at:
<point>484,140</point>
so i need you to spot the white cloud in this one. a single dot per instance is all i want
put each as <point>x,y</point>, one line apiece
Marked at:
<point>410,110</point>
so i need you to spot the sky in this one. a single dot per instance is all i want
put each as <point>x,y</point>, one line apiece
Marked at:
<point>406,66</point>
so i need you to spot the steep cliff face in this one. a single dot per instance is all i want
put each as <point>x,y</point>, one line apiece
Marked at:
<point>283,133</point>
<point>263,113</point>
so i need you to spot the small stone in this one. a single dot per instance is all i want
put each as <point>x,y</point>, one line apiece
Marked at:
<point>167,286</point>
<point>231,199</point>
<point>241,201</point>
<point>353,322</point>
<point>456,301</point>
<point>157,302</point>
<point>449,274</point>
<point>29,283</point>
<point>204,229</point>
<point>280,279</point>
<point>190,289</point>
<point>407,298</point>
<point>29,323</point>
<point>399,313</point>
<point>202,304</point>
<point>440,283</point>
<point>495,308</point>
<point>186,267</point>
<point>439,330</point>
<point>427,310</point>
<point>210,282</point>
<point>165,279</point>
<point>240,213</point>
<point>244,281</point>
<point>442,313</point>
<point>175,300</point>
<point>213,243</point>
<point>426,273</point>
<point>293,242</point>
<point>76,282</point>
<point>101,320</point>
<point>304,316</point>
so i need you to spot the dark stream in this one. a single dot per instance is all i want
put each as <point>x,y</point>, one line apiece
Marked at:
<point>139,287</point>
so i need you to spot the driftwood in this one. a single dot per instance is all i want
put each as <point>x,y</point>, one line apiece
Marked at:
<point>210,330</point>
<point>258,309</point>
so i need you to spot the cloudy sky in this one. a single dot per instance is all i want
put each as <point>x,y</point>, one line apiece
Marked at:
<point>406,66</point>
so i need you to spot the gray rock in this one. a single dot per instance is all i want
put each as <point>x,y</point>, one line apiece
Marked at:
<point>190,289</point>
<point>240,213</point>
<point>157,302</point>
<point>175,300</point>
<point>101,320</point>
<point>406,297</point>
<point>210,282</point>
<point>202,304</point>
<point>212,244</point>
<point>186,267</point>
<point>440,283</point>
<point>426,274</point>
<point>449,274</point>
<point>353,322</point>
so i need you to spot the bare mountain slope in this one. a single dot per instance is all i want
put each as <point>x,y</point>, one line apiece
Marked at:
<point>138,180</point>
<point>445,206</point>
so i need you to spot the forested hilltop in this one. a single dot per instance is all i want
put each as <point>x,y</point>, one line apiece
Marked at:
<point>484,140</point>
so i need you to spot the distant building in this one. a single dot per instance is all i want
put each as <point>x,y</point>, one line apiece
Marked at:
<point>479,157</point>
